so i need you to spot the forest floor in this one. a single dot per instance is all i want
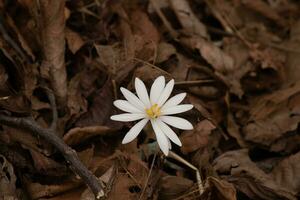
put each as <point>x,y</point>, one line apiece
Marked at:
<point>62,64</point>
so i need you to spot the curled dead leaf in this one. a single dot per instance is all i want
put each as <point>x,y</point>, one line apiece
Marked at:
<point>77,135</point>
<point>197,138</point>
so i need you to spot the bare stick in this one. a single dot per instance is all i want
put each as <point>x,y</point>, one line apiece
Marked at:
<point>69,154</point>
<point>198,175</point>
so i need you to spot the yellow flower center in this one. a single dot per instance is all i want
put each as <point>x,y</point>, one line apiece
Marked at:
<point>154,111</point>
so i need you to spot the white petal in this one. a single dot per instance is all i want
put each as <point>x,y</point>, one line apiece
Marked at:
<point>177,122</point>
<point>174,101</point>
<point>169,144</point>
<point>134,131</point>
<point>128,117</point>
<point>126,106</point>
<point>176,109</point>
<point>166,93</point>
<point>156,89</point>
<point>169,132</point>
<point>132,99</point>
<point>142,93</point>
<point>161,138</point>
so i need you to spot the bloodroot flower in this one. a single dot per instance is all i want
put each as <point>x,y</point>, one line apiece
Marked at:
<point>155,109</point>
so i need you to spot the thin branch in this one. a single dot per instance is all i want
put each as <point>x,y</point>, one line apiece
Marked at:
<point>69,154</point>
<point>52,101</point>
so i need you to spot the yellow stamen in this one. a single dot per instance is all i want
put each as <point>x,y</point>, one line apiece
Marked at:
<point>154,111</point>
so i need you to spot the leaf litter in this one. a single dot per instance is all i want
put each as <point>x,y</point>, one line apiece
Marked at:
<point>238,62</point>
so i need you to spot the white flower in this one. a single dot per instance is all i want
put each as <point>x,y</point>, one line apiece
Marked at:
<point>154,109</point>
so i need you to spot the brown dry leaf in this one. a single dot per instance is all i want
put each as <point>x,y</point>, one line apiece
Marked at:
<point>7,180</point>
<point>226,11</point>
<point>52,20</point>
<point>115,60</point>
<point>237,168</point>
<point>225,67</point>
<point>74,41</point>
<point>129,182</point>
<point>171,187</point>
<point>197,138</point>
<point>86,156</point>
<point>190,23</point>
<point>37,190</point>
<point>218,59</point>
<point>20,38</point>
<point>180,68</point>
<point>69,195</point>
<point>273,116</point>
<point>216,189</point>
<point>233,130</point>
<point>101,109</point>
<point>77,104</point>
<point>47,166</point>
<point>144,27</point>
<point>293,59</point>
<point>264,9</point>
<point>23,137</point>
<point>148,73</point>
<point>164,52</point>
<point>77,135</point>
<point>286,173</point>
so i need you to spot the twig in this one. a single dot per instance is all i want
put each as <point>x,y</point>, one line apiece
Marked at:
<point>167,24</point>
<point>69,154</point>
<point>10,41</point>
<point>198,176</point>
<point>52,101</point>
<point>147,180</point>
<point>155,67</point>
<point>194,82</point>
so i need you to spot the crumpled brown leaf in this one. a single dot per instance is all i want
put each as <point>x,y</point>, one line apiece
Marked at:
<point>77,135</point>
<point>7,180</point>
<point>53,39</point>
<point>173,186</point>
<point>130,179</point>
<point>191,24</point>
<point>237,168</point>
<point>216,189</point>
<point>101,109</point>
<point>197,138</point>
<point>74,40</point>
<point>286,173</point>
<point>273,115</point>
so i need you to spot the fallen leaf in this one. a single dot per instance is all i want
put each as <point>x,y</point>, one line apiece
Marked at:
<point>197,138</point>
<point>101,109</point>
<point>190,23</point>
<point>38,190</point>
<point>47,166</point>
<point>272,116</point>
<point>173,186</point>
<point>7,180</point>
<point>237,168</point>
<point>74,41</point>
<point>264,9</point>
<point>164,52</point>
<point>285,173</point>
<point>78,135</point>
<point>216,189</point>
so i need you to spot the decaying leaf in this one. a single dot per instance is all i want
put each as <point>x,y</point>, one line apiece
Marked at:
<point>77,135</point>
<point>218,190</point>
<point>7,180</point>
<point>172,186</point>
<point>248,178</point>
<point>192,140</point>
